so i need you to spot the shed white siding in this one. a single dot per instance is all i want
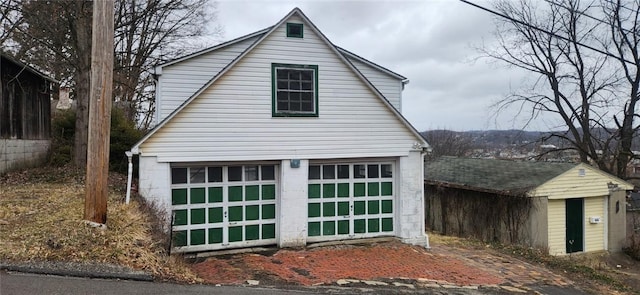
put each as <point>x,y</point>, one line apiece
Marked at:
<point>232,119</point>
<point>557,227</point>
<point>179,81</point>
<point>594,232</point>
<point>389,86</point>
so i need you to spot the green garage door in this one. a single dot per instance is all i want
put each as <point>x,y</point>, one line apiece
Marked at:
<point>350,201</point>
<point>217,207</point>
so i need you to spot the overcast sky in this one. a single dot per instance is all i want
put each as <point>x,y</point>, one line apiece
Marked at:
<point>430,42</point>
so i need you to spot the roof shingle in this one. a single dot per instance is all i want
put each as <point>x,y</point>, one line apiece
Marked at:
<point>491,175</point>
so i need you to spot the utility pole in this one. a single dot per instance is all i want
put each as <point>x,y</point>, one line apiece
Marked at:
<point>95,204</point>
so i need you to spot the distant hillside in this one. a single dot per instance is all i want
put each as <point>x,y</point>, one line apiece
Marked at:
<point>499,138</point>
<point>505,138</point>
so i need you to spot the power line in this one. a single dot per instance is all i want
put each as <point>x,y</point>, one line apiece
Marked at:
<point>548,32</point>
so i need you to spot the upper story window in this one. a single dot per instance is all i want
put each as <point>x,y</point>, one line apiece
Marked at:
<point>295,30</point>
<point>295,90</point>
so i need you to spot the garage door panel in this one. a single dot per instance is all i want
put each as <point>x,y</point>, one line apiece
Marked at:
<point>350,200</point>
<point>217,207</point>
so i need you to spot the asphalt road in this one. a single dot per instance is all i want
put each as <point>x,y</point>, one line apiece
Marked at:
<point>21,283</point>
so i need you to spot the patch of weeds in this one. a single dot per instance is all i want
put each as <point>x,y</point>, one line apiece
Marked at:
<point>41,219</point>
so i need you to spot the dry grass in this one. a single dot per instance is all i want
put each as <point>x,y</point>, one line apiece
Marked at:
<point>41,213</point>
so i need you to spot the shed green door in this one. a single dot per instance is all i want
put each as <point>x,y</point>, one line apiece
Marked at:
<point>575,225</point>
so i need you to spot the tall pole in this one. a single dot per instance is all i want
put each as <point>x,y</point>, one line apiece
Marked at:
<point>95,206</point>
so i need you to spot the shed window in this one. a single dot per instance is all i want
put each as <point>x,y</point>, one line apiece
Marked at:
<point>295,90</point>
<point>295,30</point>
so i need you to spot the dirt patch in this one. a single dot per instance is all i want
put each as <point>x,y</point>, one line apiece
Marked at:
<point>624,268</point>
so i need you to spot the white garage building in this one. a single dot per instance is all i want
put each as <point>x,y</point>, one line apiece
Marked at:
<point>281,137</point>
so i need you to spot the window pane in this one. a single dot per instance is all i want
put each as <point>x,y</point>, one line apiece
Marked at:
<point>306,107</point>
<point>314,172</point>
<point>372,171</point>
<point>328,172</point>
<point>282,84</point>
<point>268,172</point>
<point>197,175</point>
<point>343,171</point>
<point>306,86</point>
<point>250,173</point>
<point>294,85</point>
<point>235,173</point>
<point>386,171</point>
<point>294,75</point>
<point>295,106</point>
<point>283,96</point>
<point>283,106</point>
<point>294,96</point>
<point>306,75</point>
<point>358,171</point>
<point>178,175</point>
<point>282,74</point>
<point>215,174</point>
<point>306,96</point>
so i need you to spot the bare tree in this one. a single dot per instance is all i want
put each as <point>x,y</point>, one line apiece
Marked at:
<point>56,36</point>
<point>567,44</point>
<point>624,25</point>
<point>449,143</point>
<point>10,19</point>
<point>148,32</point>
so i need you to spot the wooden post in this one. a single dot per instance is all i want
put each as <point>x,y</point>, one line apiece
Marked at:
<point>95,207</point>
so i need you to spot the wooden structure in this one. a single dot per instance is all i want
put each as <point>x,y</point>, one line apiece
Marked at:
<point>562,207</point>
<point>25,114</point>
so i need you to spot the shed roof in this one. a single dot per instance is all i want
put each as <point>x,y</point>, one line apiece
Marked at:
<point>27,67</point>
<point>491,175</point>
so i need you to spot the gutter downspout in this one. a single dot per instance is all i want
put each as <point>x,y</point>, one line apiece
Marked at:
<point>129,175</point>
<point>425,151</point>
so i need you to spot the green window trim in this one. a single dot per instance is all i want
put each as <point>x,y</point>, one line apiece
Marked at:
<point>274,89</point>
<point>295,30</point>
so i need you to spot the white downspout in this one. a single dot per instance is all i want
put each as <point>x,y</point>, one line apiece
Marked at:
<point>129,175</point>
<point>423,154</point>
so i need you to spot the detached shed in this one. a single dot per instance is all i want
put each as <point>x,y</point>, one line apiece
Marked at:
<point>25,114</point>
<point>562,207</point>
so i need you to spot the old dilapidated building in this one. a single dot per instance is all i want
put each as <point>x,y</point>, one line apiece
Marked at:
<point>25,114</point>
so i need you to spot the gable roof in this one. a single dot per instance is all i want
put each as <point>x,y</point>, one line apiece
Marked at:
<point>261,33</point>
<point>491,175</point>
<point>263,36</point>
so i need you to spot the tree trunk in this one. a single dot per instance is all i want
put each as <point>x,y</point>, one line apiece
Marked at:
<point>82,28</point>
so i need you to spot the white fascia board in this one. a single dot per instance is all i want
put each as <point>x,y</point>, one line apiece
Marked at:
<point>372,64</point>
<point>210,49</point>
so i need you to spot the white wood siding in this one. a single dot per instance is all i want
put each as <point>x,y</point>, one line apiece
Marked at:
<point>594,233</point>
<point>181,80</point>
<point>571,185</point>
<point>389,86</point>
<point>557,227</point>
<point>232,120</point>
